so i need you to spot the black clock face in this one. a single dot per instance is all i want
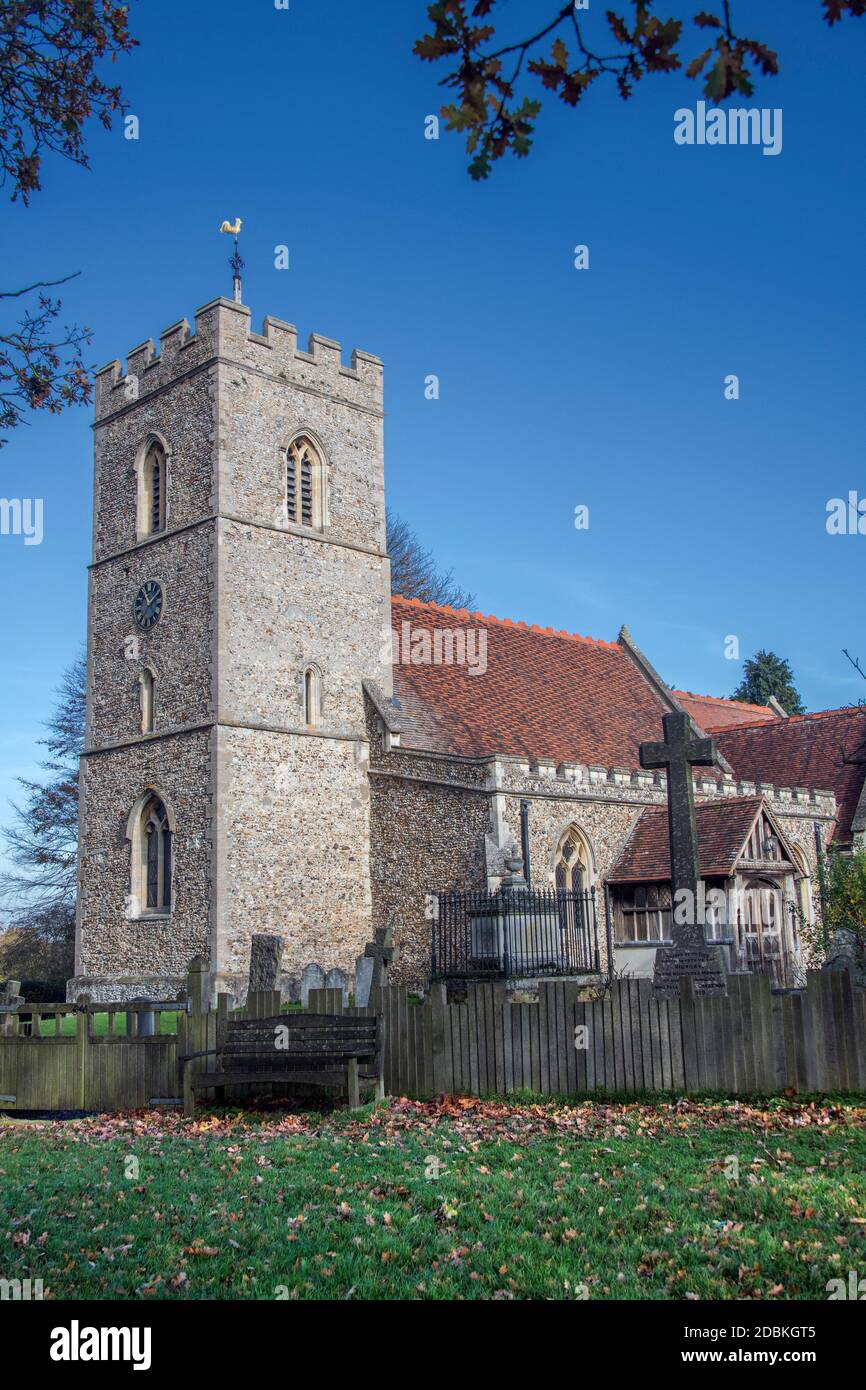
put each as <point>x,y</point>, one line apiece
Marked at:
<point>147,608</point>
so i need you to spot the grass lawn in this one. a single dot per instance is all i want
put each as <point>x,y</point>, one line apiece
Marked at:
<point>453,1199</point>
<point>167,1024</point>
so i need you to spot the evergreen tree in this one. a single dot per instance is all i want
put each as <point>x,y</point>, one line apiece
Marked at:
<point>766,674</point>
<point>37,891</point>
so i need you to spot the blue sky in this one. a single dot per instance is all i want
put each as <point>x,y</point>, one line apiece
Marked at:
<point>558,387</point>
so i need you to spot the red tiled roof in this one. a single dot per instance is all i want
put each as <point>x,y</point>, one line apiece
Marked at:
<point>722,830</point>
<point>549,694</point>
<point>805,750</point>
<point>545,694</point>
<point>712,712</point>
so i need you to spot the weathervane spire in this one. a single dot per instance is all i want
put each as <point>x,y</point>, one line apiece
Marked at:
<point>236,260</point>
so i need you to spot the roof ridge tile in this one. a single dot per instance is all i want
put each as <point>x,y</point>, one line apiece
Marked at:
<point>721,700</point>
<point>507,622</point>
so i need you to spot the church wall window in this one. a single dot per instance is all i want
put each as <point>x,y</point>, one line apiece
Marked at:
<point>147,696</point>
<point>312,697</point>
<point>572,861</point>
<point>641,912</point>
<point>304,483</point>
<point>153,481</point>
<point>151,887</point>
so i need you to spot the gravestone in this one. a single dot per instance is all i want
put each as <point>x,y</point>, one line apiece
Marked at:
<point>312,977</point>
<point>689,954</point>
<point>363,981</point>
<point>381,953</point>
<point>10,999</point>
<point>338,979</point>
<point>266,956</point>
<point>846,952</point>
<point>10,1002</point>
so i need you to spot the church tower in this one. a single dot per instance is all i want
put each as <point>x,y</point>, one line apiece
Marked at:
<point>238,598</point>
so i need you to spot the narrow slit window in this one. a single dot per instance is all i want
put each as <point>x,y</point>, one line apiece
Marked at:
<point>147,682</point>
<point>312,697</point>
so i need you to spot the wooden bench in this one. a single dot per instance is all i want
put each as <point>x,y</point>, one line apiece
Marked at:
<point>318,1049</point>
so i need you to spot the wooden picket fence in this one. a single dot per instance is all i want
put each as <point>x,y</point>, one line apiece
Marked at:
<point>42,1068</point>
<point>748,1041</point>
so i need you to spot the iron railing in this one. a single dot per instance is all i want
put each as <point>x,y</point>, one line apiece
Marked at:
<point>515,933</point>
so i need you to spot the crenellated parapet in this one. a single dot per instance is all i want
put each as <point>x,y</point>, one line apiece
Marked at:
<point>223,333</point>
<point>544,775</point>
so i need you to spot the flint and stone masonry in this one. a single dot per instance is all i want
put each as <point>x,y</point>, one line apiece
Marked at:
<point>270,817</point>
<point>316,834</point>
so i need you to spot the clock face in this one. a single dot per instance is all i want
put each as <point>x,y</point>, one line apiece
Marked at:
<point>147,608</point>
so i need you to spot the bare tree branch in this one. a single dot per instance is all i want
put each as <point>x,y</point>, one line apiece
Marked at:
<point>38,285</point>
<point>414,572</point>
<point>38,370</point>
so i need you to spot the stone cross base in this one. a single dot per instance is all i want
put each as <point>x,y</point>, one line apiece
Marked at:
<point>703,964</point>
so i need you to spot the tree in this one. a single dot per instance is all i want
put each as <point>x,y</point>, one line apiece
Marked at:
<point>764,675</point>
<point>485,72</point>
<point>41,843</point>
<point>37,370</point>
<point>49,51</point>
<point>43,950</point>
<point>846,894</point>
<point>49,89</point>
<point>414,573</point>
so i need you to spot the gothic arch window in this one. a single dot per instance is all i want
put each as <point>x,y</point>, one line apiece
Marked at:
<point>571,873</point>
<point>572,862</point>
<point>152,489</point>
<point>151,857</point>
<point>147,696</point>
<point>304,483</point>
<point>312,697</point>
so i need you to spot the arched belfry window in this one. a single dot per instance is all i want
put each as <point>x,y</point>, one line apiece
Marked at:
<point>303,483</point>
<point>312,697</point>
<point>151,858</point>
<point>152,490</point>
<point>154,484</point>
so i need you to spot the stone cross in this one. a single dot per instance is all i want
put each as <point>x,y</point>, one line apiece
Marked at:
<point>689,953</point>
<point>382,952</point>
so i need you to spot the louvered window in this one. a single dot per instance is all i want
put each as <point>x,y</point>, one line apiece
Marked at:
<point>302,484</point>
<point>154,490</point>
